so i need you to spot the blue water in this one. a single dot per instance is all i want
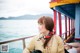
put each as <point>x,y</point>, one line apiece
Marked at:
<point>12,29</point>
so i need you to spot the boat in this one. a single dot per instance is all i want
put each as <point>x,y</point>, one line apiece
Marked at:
<point>70,9</point>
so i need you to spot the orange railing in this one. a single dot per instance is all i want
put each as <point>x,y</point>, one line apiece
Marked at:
<point>23,40</point>
<point>67,37</point>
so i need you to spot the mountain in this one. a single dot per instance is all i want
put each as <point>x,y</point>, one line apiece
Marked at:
<point>26,17</point>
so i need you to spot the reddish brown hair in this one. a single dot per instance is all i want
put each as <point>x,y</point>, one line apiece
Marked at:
<point>49,25</point>
<point>48,21</point>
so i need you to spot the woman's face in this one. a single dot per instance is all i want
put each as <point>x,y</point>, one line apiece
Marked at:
<point>42,28</point>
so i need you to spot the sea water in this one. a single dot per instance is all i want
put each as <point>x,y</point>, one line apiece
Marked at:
<point>13,29</point>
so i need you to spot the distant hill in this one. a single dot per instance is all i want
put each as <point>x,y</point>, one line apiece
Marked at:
<point>25,17</point>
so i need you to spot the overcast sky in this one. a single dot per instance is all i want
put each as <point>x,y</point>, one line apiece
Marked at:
<point>22,7</point>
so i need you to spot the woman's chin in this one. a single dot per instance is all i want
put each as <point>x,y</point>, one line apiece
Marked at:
<point>41,32</point>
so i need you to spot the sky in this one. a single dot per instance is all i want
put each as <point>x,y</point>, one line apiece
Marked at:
<point>23,7</point>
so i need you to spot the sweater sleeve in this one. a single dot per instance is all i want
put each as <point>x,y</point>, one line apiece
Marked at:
<point>60,45</point>
<point>30,47</point>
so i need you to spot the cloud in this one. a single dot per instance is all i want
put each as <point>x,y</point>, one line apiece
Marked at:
<point>21,7</point>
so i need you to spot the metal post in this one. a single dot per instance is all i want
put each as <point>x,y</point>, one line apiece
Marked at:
<point>69,25</point>
<point>72,25</point>
<point>60,24</point>
<point>24,43</point>
<point>55,13</point>
<point>65,27</point>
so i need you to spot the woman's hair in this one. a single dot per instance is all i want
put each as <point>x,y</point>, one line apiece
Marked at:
<point>49,25</point>
<point>48,21</point>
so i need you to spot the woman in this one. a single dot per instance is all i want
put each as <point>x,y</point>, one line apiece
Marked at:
<point>46,41</point>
